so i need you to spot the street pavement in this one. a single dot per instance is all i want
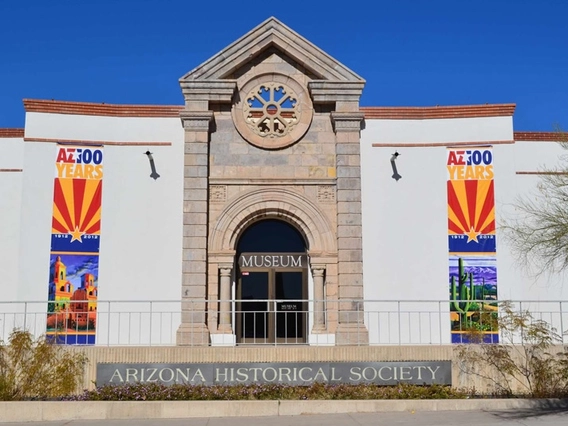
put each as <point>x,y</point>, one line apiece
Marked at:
<point>532,417</point>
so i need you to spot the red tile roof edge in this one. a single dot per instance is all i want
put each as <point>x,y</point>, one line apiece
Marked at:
<point>90,108</point>
<point>541,136</point>
<point>122,110</point>
<point>421,113</point>
<point>11,132</point>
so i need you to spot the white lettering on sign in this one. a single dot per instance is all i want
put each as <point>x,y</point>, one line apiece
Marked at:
<point>299,373</point>
<point>396,373</point>
<point>273,261</point>
<point>152,375</point>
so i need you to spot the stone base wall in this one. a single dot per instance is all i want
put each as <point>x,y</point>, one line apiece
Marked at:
<point>278,354</point>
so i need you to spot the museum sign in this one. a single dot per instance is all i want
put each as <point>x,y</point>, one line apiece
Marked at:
<point>379,373</point>
<point>273,260</point>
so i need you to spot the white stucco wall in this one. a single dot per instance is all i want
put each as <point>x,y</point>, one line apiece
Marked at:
<point>522,284</point>
<point>11,158</point>
<point>477,129</point>
<point>405,247</point>
<point>141,221</point>
<point>404,223</point>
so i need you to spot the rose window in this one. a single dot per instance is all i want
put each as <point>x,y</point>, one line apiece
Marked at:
<point>271,110</point>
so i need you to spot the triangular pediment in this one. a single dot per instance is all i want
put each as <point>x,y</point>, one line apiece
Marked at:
<point>269,38</point>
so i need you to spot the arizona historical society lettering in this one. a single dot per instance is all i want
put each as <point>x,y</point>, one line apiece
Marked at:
<point>380,373</point>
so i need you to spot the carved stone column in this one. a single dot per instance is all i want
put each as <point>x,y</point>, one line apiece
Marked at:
<point>318,272</point>
<point>225,271</point>
<point>193,329</point>
<point>351,328</point>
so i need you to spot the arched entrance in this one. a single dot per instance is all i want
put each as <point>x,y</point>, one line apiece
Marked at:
<point>314,228</point>
<point>272,277</point>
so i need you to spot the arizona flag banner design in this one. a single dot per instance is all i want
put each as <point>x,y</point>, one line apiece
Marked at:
<point>472,248</point>
<point>75,238</point>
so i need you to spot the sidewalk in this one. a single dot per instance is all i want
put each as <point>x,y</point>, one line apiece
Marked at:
<point>273,412</point>
<point>428,418</point>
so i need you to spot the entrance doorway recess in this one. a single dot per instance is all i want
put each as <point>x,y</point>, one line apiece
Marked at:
<point>272,285</point>
<point>272,306</point>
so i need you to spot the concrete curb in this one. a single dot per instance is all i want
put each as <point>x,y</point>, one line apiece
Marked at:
<point>113,410</point>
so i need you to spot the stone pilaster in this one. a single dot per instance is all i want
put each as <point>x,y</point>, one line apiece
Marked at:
<point>351,328</point>
<point>318,272</point>
<point>225,271</point>
<point>193,329</point>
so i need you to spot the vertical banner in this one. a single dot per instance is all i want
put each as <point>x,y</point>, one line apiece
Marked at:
<point>75,238</point>
<point>472,248</point>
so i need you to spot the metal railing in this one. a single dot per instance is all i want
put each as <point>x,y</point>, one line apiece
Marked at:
<point>265,322</point>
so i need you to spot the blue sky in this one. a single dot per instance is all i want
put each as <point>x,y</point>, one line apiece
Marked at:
<point>411,52</point>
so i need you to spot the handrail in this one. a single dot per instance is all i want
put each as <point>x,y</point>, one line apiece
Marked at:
<point>155,322</point>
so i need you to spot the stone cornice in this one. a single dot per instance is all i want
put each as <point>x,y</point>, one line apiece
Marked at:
<point>225,257</point>
<point>332,91</point>
<point>318,269</point>
<point>271,181</point>
<point>347,121</point>
<point>226,267</point>
<point>213,90</point>
<point>271,34</point>
<point>322,258</point>
<point>197,121</point>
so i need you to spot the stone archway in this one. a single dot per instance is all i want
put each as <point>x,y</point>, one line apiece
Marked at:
<point>283,204</point>
<point>280,203</point>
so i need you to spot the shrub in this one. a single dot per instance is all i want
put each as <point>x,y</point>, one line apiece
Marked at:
<point>522,363</point>
<point>37,369</point>
<point>316,391</point>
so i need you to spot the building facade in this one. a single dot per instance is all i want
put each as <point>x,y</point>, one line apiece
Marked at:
<point>270,208</point>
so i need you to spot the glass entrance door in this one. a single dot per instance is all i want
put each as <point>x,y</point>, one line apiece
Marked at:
<point>272,285</point>
<point>272,307</point>
<point>290,307</point>
<point>253,307</point>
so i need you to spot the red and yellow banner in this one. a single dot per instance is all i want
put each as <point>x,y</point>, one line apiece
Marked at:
<point>75,238</point>
<point>471,242</point>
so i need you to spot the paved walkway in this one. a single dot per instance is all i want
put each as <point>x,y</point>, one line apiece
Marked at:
<point>431,418</point>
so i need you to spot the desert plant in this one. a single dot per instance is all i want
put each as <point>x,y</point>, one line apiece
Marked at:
<point>522,362</point>
<point>538,230</point>
<point>468,302</point>
<point>462,297</point>
<point>37,368</point>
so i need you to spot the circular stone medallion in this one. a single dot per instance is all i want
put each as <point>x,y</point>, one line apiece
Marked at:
<point>273,111</point>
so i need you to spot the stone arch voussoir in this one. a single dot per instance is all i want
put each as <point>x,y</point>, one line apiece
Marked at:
<point>276,203</point>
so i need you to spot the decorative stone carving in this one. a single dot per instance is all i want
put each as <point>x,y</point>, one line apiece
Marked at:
<point>218,193</point>
<point>196,121</point>
<point>283,203</point>
<point>326,194</point>
<point>273,111</point>
<point>347,121</point>
<point>270,110</point>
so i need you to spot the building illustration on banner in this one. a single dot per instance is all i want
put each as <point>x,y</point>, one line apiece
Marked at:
<point>75,238</point>
<point>471,241</point>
